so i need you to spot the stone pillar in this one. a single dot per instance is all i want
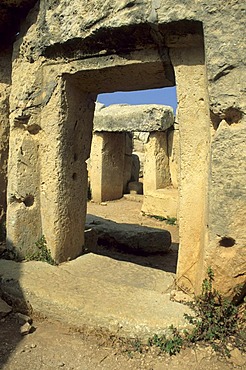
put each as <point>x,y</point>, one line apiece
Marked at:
<point>194,126</point>
<point>156,166</point>
<point>174,155</point>
<point>24,227</point>
<point>107,165</point>
<point>67,122</point>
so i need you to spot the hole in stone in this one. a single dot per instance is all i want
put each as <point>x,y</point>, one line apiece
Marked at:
<point>29,200</point>
<point>233,115</point>
<point>215,119</point>
<point>227,242</point>
<point>74,176</point>
<point>33,129</point>
<point>75,157</point>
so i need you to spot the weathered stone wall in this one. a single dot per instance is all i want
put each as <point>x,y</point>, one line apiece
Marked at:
<point>65,34</point>
<point>5,82</point>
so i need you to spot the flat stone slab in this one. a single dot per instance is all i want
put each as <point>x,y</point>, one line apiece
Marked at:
<point>130,118</point>
<point>97,292</point>
<point>161,202</point>
<point>128,237</point>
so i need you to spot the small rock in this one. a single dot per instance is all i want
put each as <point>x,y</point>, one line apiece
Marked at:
<point>5,309</point>
<point>237,357</point>
<point>179,296</point>
<point>25,329</point>
<point>104,204</point>
<point>22,319</point>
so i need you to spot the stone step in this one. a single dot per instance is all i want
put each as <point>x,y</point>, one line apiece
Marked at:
<point>96,292</point>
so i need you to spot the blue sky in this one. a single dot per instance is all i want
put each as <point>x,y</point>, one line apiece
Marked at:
<point>165,96</point>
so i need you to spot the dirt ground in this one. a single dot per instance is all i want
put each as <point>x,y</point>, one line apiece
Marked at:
<point>53,345</point>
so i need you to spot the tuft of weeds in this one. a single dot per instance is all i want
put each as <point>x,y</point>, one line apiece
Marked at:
<point>168,220</point>
<point>42,253</point>
<point>215,318</point>
<point>170,344</point>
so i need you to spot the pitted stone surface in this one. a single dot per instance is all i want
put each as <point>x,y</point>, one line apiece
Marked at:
<point>125,118</point>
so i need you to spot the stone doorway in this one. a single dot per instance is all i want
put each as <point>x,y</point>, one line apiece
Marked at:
<point>66,118</point>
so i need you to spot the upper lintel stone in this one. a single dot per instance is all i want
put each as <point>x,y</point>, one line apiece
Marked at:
<point>128,118</point>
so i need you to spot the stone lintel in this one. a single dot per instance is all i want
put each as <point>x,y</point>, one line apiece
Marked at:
<point>130,118</point>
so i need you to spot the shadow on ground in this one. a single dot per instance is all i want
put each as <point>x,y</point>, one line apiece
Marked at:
<point>12,303</point>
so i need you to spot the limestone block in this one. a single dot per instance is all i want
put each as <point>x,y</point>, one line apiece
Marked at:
<point>67,122</point>
<point>128,118</point>
<point>174,156</point>
<point>194,127</point>
<point>126,237</point>
<point>107,166</point>
<point>226,252</point>
<point>162,202</point>
<point>156,166</point>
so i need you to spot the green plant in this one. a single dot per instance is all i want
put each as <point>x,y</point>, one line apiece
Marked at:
<point>170,344</point>
<point>168,220</point>
<point>215,319</point>
<point>42,253</point>
<point>171,220</point>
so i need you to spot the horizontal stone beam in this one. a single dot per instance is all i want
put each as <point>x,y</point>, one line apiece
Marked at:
<point>130,118</point>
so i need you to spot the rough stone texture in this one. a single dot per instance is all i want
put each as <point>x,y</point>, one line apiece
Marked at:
<point>127,237</point>
<point>227,207</point>
<point>174,155</point>
<point>193,118</point>
<point>100,46</point>
<point>107,166</point>
<point>156,165</point>
<point>129,118</point>
<point>95,291</point>
<point>5,82</point>
<point>161,202</point>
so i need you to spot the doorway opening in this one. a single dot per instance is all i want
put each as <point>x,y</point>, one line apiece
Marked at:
<point>134,130</point>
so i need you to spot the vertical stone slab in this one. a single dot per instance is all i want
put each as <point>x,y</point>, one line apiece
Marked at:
<point>107,163</point>
<point>67,123</point>
<point>173,155</point>
<point>96,166</point>
<point>156,166</point>
<point>226,252</point>
<point>194,126</point>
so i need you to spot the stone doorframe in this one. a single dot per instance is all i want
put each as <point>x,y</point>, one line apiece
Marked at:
<point>59,144</point>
